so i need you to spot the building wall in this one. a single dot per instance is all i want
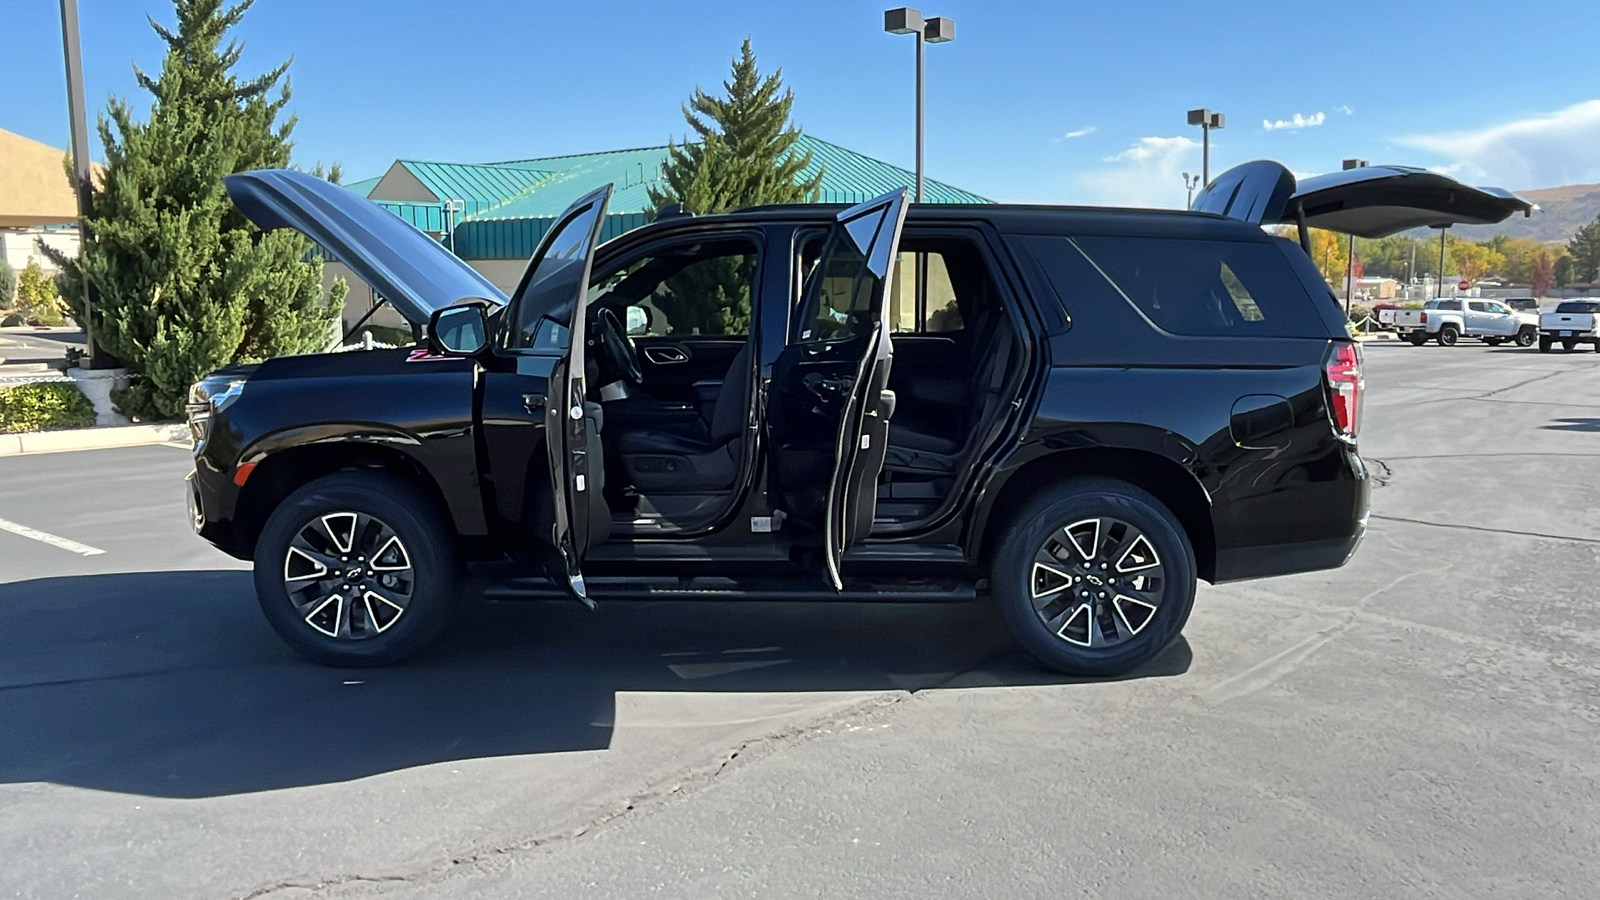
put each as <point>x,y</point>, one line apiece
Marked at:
<point>20,245</point>
<point>503,273</point>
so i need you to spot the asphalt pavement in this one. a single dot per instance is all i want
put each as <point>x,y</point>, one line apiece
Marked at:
<point>1421,722</point>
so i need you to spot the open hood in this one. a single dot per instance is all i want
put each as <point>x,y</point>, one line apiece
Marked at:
<point>1369,202</point>
<point>414,272</point>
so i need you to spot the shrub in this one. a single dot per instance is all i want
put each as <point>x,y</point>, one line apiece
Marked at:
<point>37,299</point>
<point>44,407</point>
<point>8,285</point>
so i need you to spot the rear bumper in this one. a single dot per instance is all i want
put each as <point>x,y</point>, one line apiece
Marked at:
<point>1348,501</point>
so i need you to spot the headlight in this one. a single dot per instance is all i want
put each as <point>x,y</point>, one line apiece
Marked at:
<point>208,397</point>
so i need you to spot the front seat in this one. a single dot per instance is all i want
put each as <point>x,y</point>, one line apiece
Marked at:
<point>690,456</point>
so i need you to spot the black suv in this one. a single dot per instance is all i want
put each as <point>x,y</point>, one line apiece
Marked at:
<point>1077,412</point>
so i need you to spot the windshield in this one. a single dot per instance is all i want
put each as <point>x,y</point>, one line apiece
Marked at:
<point>1578,306</point>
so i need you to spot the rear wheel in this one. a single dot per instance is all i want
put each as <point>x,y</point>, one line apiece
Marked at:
<point>1448,335</point>
<point>356,569</point>
<point>1094,577</point>
<point>1417,338</point>
<point>1527,336</point>
<point>1544,344</point>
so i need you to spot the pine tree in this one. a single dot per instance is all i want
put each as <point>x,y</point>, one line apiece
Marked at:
<point>1585,250</point>
<point>8,285</point>
<point>747,155</point>
<point>183,283</point>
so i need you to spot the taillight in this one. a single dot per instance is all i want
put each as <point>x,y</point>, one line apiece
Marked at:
<point>1343,371</point>
<point>1424,319</point>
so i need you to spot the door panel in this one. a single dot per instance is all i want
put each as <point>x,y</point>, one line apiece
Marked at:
<point>534,393</point>
<point>829,405</point>
<point>672,365</point>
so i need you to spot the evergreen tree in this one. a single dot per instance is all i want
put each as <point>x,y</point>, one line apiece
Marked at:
<point>1585,250</point>
<point>747,155</point>
<point>8,285</point>
<point>183,283</point>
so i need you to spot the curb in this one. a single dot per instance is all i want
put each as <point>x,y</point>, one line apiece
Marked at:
<point>92,438</point>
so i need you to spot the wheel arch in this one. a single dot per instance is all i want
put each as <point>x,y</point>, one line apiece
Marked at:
<point>282,472</point>
<point>1163,478</point>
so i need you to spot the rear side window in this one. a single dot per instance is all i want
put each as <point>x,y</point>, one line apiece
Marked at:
<point>1207,288</point>
<point>1446,305</point>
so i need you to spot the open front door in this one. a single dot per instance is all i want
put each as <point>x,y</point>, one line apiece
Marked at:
<point>829,408</point>
<point>535,386</point>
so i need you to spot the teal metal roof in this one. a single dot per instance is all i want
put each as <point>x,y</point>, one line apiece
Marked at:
<point>479,187</point>
<point>363,187</point>
<point>509,205</point>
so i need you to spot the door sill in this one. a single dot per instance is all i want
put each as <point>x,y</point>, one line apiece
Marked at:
<point>711,588</point>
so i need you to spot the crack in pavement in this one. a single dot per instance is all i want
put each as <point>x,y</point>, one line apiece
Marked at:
<point>1487,529</point>
<point>753,749</point>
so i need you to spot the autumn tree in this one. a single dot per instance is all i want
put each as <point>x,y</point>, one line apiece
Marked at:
<point>1543,276</point>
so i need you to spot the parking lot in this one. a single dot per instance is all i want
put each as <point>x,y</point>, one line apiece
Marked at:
<point>1421,723</point>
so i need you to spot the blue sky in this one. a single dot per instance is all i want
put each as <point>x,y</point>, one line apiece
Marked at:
<point>1034,101</point>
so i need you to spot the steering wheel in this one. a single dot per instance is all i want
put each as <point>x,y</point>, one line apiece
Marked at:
<point>619,347</point>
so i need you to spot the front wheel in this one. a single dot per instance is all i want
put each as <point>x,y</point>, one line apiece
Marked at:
<point>1526,337</point>
<point>1094,577</point>
<point>357,569</point>
<point>1448,335</point>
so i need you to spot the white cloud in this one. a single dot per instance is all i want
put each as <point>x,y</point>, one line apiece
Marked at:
<point>1346,109</point>
<point>1081,132</point>
<point>1148,173</point>
<point>1296,123</point>
<point>1544,150</point>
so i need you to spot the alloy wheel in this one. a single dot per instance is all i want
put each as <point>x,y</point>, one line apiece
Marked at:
<point>1097,582</point>
<point>348,575</point>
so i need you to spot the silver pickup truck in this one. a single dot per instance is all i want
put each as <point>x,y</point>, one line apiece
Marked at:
<point>1572,323</point>
<point>1448,320</point>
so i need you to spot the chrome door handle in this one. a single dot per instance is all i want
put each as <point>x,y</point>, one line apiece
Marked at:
<point>665,356</point>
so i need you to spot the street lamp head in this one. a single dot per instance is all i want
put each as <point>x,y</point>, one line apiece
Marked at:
<point>1355,164</point>
<point>903,20</point>
<point>939,30</point>
<point>1218,120</point>
<point>1199,116</point>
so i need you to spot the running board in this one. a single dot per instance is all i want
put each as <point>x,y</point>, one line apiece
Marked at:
<point>713,589</point>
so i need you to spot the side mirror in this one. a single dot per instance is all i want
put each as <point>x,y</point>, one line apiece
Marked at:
<point>639,320</point>
<point>459,330</point>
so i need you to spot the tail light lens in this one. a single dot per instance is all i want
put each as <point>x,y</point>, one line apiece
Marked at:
<point>1424,319</point>
<point>1343,371</point>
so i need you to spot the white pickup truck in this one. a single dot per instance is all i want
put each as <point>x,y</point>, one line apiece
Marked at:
<point>1572,323</point>
<point>1448,320</point>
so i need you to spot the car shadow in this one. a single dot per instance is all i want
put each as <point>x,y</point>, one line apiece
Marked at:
<point>1573,424</point>
<point>171,684</point>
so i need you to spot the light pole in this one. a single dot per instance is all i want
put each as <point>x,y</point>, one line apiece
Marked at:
<point>81,186</point>
<point>1350,262</point>
<point>1207,120</point>
<point>905,20</point>
<point>1190,182</point>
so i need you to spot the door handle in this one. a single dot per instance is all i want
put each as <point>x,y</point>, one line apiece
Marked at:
<point>533,403</point>
<point>665,356</point>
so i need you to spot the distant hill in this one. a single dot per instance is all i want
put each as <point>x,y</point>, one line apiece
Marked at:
<point>1562,210</point>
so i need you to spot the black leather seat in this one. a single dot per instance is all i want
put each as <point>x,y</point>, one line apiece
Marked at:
<point>916,448</point>
<point>691,455</point>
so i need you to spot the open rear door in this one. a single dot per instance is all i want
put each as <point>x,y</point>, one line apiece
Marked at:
<point>828,416</point>
<point>1369,202</point>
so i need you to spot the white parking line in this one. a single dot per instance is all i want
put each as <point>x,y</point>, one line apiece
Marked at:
<point>47,538</point>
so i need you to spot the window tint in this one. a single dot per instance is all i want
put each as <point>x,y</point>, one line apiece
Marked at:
<point>838,293</point>
<point>692,289</point>
<point>1478,306</point>
<point>924,298</point>
<point>552,285</point>
<point>1207,288</point>
<point>1446,305</point>
<point>1578,306</point>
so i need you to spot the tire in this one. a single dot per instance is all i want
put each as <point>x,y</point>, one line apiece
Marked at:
<point>1448,335</point>
<point>1527,336</point>
<point>1037,602</point>
<point>374,616</point>
<point>1417,338</point>
<point>1544,344</point>
<point>1568,345</point>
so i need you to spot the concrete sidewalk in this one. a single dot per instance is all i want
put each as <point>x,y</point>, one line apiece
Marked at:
<point>93,438</point>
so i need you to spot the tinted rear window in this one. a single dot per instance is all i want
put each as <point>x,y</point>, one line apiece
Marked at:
<point>1207,288</point>
<point>1578,306</point>
<point>1447,305</point>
